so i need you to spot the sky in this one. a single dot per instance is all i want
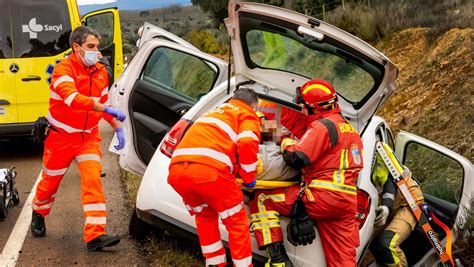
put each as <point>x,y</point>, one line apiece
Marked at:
<point>90,5</point>
<point>94,2</point>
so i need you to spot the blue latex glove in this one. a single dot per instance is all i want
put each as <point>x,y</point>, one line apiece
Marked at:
<point>121,138</point>
<point>251,184</point>
<point>115,112</point>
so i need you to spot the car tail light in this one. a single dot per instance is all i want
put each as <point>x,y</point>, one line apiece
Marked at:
<point>173,137</point>
<point>363,207</point>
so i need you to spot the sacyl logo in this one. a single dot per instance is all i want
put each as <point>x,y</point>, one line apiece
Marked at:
<point>33,28</point>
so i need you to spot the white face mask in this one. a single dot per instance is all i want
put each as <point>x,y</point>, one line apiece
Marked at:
<point>90,57</point>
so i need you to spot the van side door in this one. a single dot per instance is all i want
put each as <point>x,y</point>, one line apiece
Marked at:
<point>8,106</point>
<point>107,23</point>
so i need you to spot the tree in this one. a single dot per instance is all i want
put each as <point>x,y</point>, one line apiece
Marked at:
<point>217,9</point>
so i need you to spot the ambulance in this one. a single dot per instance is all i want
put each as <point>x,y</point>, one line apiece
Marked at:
<point>34,36</point>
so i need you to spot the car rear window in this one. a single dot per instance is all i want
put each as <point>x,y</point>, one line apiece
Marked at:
<point>41,28</point>
<point>5,33</point>
<point>274,51</point>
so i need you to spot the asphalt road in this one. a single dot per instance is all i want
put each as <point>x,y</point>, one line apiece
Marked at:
<point>64,245</point>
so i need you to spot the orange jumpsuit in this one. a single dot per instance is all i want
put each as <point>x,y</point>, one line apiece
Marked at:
<point>73,90</point>
<point>219,145</point>
<point>330,173</point>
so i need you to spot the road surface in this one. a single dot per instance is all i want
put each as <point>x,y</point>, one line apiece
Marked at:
<point>64,245</point>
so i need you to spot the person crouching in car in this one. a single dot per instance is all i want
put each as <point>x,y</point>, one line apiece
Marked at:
<point>389,234</point>
<point>220,144</point>
<point>330,154</point>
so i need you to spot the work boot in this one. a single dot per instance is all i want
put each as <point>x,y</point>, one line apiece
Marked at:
<point>278,256</point>
<point>38,228</point>
<point>102,241</point>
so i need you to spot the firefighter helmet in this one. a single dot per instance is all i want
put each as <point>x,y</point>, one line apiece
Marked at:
<point>317,94</point>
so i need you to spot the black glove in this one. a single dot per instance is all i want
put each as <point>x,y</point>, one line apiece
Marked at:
<point>300,230</point>
<point>40,129</point>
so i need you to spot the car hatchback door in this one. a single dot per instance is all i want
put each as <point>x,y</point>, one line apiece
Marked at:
<point>282,49</point>
<point>163,81</point>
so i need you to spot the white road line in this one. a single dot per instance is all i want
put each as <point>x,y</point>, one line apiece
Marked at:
<point>12,248</point>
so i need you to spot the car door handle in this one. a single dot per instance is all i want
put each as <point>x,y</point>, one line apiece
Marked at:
<point>31,78</point>
<point>4,102</point>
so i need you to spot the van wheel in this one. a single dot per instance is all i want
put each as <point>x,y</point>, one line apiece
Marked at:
<point>138,228</point>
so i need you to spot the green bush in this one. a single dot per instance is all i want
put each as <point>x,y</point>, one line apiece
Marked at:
<point>384,17</point>
<point>204,41</point>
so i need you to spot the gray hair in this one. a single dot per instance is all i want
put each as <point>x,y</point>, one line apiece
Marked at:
<point>79,35</point>
<point>247,95</point>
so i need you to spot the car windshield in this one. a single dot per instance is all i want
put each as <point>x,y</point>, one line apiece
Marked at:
<point>275,51</point>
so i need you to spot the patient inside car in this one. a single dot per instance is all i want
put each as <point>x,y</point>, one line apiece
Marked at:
<point>274,166</point>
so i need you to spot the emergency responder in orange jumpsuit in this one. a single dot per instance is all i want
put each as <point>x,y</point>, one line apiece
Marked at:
<point>389,235</point>
<point>330,153</point>
<point>219,145</point>
<point>78,100</point>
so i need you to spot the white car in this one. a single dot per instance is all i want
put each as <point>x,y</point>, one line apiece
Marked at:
<point>170,83</point>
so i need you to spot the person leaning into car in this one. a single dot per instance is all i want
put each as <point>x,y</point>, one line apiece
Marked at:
<point>219,145</point>
<point>330,155</point>
<point>389,234</point>
<point>78,100</point>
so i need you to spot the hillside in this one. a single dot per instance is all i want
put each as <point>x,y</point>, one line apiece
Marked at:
<point>436,95</point>
<point>176,19</point>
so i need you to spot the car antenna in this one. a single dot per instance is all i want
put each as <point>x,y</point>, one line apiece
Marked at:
<point>370,119</point>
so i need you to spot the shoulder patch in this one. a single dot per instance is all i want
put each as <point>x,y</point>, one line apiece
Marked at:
<point>356,155</point>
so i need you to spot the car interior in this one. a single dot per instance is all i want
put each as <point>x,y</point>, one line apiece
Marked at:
<point>417,244</point>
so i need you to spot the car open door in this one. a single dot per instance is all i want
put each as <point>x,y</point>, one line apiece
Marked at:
<point>107,23</point>
<point>163,81</point>
<point>446,180</point>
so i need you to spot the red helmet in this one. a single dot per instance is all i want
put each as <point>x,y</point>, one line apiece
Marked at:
<point>318,94</point>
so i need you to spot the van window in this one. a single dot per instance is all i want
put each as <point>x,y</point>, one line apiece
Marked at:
<point>41,28</point>
<point>104,25</point>
<point>5,34</point>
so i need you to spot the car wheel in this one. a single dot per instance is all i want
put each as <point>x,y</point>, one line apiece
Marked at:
<point>138,228</point>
